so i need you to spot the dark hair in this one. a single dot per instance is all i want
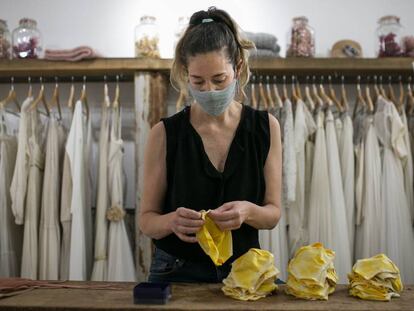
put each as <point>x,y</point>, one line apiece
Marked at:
<point>208,31</point>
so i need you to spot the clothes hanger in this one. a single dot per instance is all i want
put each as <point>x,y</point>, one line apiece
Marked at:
<point>278,100</point>
<point>71,95</point>
<point>368,97</point>
<point>83,97</point>
<point>344,97</point>
<point>30,90</point>
<point>308,96</point>
<point>333,95</point>
<point>106,101</point>
<point>270,100</point>
<point>284,90</point>
<point>115,103</point>
<point>262,97</point>
<point>410,97</point>
<point>391,95</point>
<point>382,90</point>
<point>11,97</point>
<point>298,89</point>
<point>55,99</point>
<point>41,98</point>
<point>253,89</point>
<point>402,94</point>
<point>323,94</point>
<point>360,101</point>
<point>317,99</point>
<point>294,97</point>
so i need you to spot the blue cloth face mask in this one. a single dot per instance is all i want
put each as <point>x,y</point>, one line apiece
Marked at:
<point>214,102</point>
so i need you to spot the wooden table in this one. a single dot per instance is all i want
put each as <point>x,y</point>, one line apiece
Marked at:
<point>193,297</point>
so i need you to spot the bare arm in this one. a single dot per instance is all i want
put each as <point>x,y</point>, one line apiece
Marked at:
<point>231,215</point>
<point>183,222</point>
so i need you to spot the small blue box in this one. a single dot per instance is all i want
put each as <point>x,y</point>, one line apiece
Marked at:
<point>152,293</point>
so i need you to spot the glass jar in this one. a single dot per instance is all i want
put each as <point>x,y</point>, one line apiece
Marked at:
<point>301,39</point>
<point>147,38</point>
<point>5,46</point>
<point>183,22</point>
<point>27,39</point>
<point>389,34</point>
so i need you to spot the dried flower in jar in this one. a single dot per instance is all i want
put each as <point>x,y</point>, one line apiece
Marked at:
<point>4,47</point>
<point>389,46</point>
<point>26,49</point>
<point>147,47</point>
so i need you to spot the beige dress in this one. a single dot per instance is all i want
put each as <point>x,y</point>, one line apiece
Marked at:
<point>49,231</point>
<point>99,272</point>
<point>10,233</point>
<point>120,258</point>
<point>30,254</point>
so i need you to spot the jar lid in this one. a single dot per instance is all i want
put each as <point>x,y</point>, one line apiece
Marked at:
<point>389,18</point>
<point>300,19</point>
<point>147,19</point>
<point>28,21</point>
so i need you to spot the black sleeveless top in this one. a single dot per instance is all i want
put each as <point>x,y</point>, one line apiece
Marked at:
<point>193,182</point>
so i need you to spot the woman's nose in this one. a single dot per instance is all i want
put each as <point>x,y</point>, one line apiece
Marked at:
<point>208,86</point>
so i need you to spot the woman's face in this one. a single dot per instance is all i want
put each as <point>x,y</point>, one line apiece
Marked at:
<point>210,71</point>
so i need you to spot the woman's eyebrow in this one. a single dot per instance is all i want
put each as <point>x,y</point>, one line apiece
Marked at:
<point>215,76</point>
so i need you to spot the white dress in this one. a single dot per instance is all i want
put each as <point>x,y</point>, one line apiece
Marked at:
<point>347,158</point>
<point>398,233</point>
<point>88,195</point>
<point>289,154</point>
<point>340,237</point>
<point>369,217</point>
<point>30,255</point>
<point>10,233</point>
<point>49,231</point>
<point>99,272</point>
<point>75,146</point>
<point>120,258</point>
<point>304,127</point>
<point>319,220</point>
<point>408,168</point>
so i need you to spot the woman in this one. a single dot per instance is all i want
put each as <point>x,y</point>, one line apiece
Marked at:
<point>216,154</point>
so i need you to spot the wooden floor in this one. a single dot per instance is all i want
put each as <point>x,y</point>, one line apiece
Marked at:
<point>193,297</point>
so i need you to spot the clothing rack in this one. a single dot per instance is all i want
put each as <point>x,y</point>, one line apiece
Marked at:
<point>96,69</point>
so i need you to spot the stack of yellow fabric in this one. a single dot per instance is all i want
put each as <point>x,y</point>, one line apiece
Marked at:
<point>311,273</point>
<point>216,243</point>
<point>252,276</point>
<point>375,278</point>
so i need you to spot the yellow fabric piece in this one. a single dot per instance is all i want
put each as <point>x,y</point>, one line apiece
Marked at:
<point>375,278</point>
<point>252,276</point>
<point>311,273</point>
<point>215,243</point>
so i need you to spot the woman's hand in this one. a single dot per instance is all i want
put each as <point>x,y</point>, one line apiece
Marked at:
<point>231,215</point>
<point>186,223</point>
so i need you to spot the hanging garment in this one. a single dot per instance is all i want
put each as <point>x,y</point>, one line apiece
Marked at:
<point>88,195</point>
<point>369,217</point>
<point>339,127</point>
<point>10,233</point>
<point>120,258</point>
<point>340,237</point>
<point>18,188</point>
<point>217,244</point>
<point>65,217</point>
<point>289,154</point>
<point>49,231</point>
<point>346,154</point>
<point>30,254</point>
<point>304,128</point>
<point>99,272</point>
<point>319,220</point>
<point>75,148</point>
<point>398,233</point>
<point>375,278</point>
<point>408,168</point>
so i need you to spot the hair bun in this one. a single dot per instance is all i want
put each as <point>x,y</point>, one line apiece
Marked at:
<point>197,17</point>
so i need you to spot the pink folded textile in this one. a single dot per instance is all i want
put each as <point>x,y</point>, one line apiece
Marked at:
<point>15,286</point>
<point>72,55</point>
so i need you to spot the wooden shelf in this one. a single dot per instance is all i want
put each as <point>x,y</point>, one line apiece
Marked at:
<point>301,67</point>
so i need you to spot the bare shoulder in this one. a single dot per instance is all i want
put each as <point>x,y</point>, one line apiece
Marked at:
<point>156,143</point>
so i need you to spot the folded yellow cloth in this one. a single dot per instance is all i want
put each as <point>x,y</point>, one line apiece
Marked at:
<point>375,278</point>
<point>216,243</point>
<point>311,273</point>
<point>252,276</point>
